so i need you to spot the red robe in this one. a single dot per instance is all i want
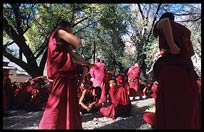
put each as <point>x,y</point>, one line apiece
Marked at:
<point>199,86</point>
<point>97,72</point>
<point>62,109</point>
<point>133,80</point>
<point>154,90</point>
<point>177,101</point>
<point>149,117</point>
<point>7,92</point>
<point>107,78</point>
<point>5,102</point>
<point>120,103</point>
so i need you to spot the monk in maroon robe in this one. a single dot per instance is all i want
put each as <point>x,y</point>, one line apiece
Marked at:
<point>149,117</point>
<point>5,103</point>
<point>62,109</point>
<point>133,80</point>
<point>6,83</point>
<point>85,84</point>
<point>97,73</point>
<point>22,94</point>
<point>120,104</point>
<point>89,100</point>
<point>7,90</point>
<point>107,78</point>
<point>177,101</point>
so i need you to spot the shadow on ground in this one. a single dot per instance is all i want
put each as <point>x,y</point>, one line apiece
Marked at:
<point>22,119</point>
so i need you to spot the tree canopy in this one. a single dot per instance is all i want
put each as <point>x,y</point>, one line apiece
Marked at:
<point>119,34</point>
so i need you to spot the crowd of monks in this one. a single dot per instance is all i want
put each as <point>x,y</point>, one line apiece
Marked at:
<point>99,90</point>
<point>30,95</point>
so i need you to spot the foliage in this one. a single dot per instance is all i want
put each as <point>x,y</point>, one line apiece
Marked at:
<point>120,34</point>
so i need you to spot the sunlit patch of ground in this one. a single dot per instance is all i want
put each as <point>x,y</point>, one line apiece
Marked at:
<point>21,119</point>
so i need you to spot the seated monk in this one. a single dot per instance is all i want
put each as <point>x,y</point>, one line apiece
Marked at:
<point>120,105</point>
<point>89,100</point>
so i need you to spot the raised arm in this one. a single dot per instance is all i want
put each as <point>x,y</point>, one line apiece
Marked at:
<point>69,38</point>
<point>164,25</point>
<point>77,59</point>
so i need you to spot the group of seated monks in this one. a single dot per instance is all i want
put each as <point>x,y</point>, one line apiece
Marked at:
<point>111,95</point>
<point>117,100</point>
<point>32,94</point>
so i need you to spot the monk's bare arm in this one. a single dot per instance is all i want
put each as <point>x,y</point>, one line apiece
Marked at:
<point>81,100</point>
<point>79,60</point>
<point>165,26</point>
<point>70,38</point>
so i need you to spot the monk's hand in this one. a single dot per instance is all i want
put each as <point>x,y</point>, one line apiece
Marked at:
<point>88,108</point>
<point>174,49</point>
<point>92,105</point>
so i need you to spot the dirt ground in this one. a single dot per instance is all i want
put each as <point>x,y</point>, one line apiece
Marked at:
<point>21,119</point>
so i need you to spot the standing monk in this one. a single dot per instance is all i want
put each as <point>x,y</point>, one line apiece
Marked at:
<point>133,80</point>
<point>97,73</point>
<point>177,101</point>
<point>7,91</point>
<point>62,108</point>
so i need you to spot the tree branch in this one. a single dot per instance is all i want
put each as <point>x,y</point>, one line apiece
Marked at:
<point>141,12</point>
<point>150,32</point>
<point>20,41</point>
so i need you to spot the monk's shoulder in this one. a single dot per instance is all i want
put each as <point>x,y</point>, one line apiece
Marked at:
<point>177,25</point>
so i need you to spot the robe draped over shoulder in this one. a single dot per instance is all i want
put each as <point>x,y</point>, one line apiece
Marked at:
<point>59,60</point>
<point>177,98</point>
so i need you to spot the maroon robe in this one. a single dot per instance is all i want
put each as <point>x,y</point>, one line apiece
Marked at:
<point>62,109</point>
<point>107,78</point>
<point>149,118</point>
<point>199,86</point>
<point>22,98</point>
<point>154,90</point>
<point>177,101</point>
<point>5,102</point>
<point>133,80</point>
<point>120,103</point>
<point>98,73</point>
<point>8,92</point>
